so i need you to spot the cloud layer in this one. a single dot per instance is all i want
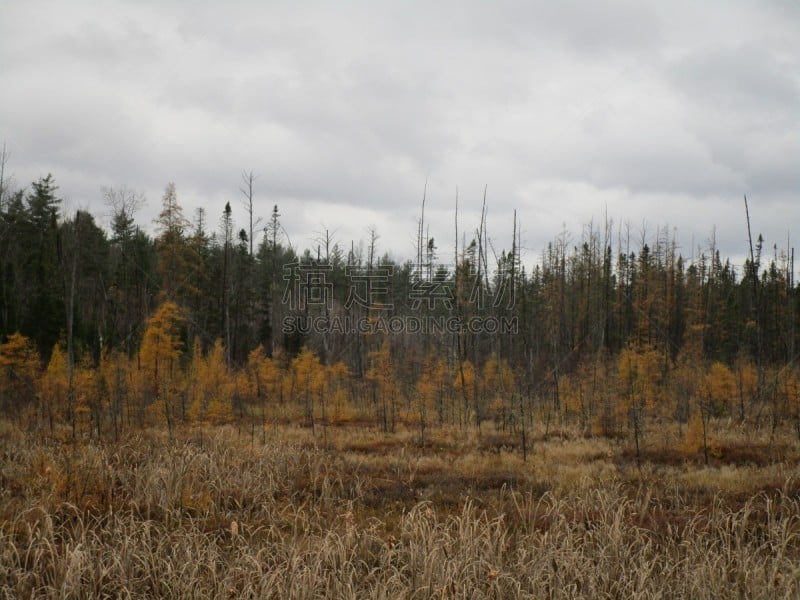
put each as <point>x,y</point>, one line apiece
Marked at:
<point>657,115</point>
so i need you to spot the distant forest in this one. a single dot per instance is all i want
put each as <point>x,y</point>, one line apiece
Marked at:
<point>106,330</point>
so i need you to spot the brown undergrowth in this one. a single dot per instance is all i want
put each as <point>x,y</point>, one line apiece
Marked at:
<point>350,512</point>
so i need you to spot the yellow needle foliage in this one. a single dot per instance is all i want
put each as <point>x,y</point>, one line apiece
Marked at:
<point>19,366</point>
<point>719,386</point>
<point>212,386</point>
<point>158,358</point>
<point>54,385</point>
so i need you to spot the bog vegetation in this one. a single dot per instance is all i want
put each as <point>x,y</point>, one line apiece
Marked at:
<point>214,513</point>
<point>166,406</point>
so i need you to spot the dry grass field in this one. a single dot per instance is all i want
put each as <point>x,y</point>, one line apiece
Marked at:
<point>218,513</point>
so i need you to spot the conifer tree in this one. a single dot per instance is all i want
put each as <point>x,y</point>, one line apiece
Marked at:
<point>158,356</point>
<point>19,368</point>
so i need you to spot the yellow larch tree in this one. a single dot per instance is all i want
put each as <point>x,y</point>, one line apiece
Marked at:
<point>159,357</point>
<point>639,372</point>
<point>491,396</point>
<point>746,384</point>
<point>497,385</point>
<point>684,379</point>
<point>19,368</point>
<point>423,398</point>
<point>309,380</point>
<point>570,394</point>
<point>341,409</point>
<point>718,388</point>
<point>194,390</point>
<point>272,383</point>
<point>54,387</point>
<point>212,387</point>
<point>443,376</point>
<point>114,373</point>
<point>139,384</point>
<point>253,388</point>
<point>384,386</point>
<point>694,439</point>
<point>89,402</point>
<point>464,386</point>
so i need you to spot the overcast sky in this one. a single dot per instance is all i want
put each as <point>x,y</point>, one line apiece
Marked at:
<point>656,114</point>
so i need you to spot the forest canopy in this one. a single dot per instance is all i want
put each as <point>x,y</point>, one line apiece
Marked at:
<point>110,329</point>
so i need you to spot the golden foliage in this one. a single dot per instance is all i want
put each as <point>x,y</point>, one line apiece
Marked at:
<point>54,383</point>
<point>639,374</point>
<point>341,410</point>
<point>161,343</point>
<point>718,386</point>
<point>212,386</point>
<point>693,439</point>
<point>18,359</point>
<point>19,367</point>
<point>159,356</point>
<point>465,377</point>
<point>640,371</point>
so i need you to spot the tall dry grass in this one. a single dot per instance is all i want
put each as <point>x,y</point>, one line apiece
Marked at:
<point>221,516</point>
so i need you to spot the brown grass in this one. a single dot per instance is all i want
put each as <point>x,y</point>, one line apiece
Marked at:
<point>215,514</point>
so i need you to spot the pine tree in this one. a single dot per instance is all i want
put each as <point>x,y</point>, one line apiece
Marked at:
<point>176,258</point>
<point>44,317</point>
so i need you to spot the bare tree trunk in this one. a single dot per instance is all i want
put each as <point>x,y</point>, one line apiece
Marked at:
<point>704,416</point>
<point>226,266</point>
<point>3,161</point>
<point>760,376</point>
<point>71,409</point>
<point>248,178</point>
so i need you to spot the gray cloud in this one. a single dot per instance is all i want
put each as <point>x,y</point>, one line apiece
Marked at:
<point>568,111</point>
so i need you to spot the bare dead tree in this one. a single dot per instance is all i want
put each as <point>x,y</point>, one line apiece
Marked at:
<point>124,203</point>
<point>756,307</point>
<point>226,228</point>
<point>373,244</point>
<point>70,285</point>
<point>420,232</point>
<point>248,178</point>
<point>3,161</point>
<point>460,343</point>
<point>326,240</point>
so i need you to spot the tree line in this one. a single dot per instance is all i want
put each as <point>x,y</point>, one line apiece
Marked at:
<point>203,321</point>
